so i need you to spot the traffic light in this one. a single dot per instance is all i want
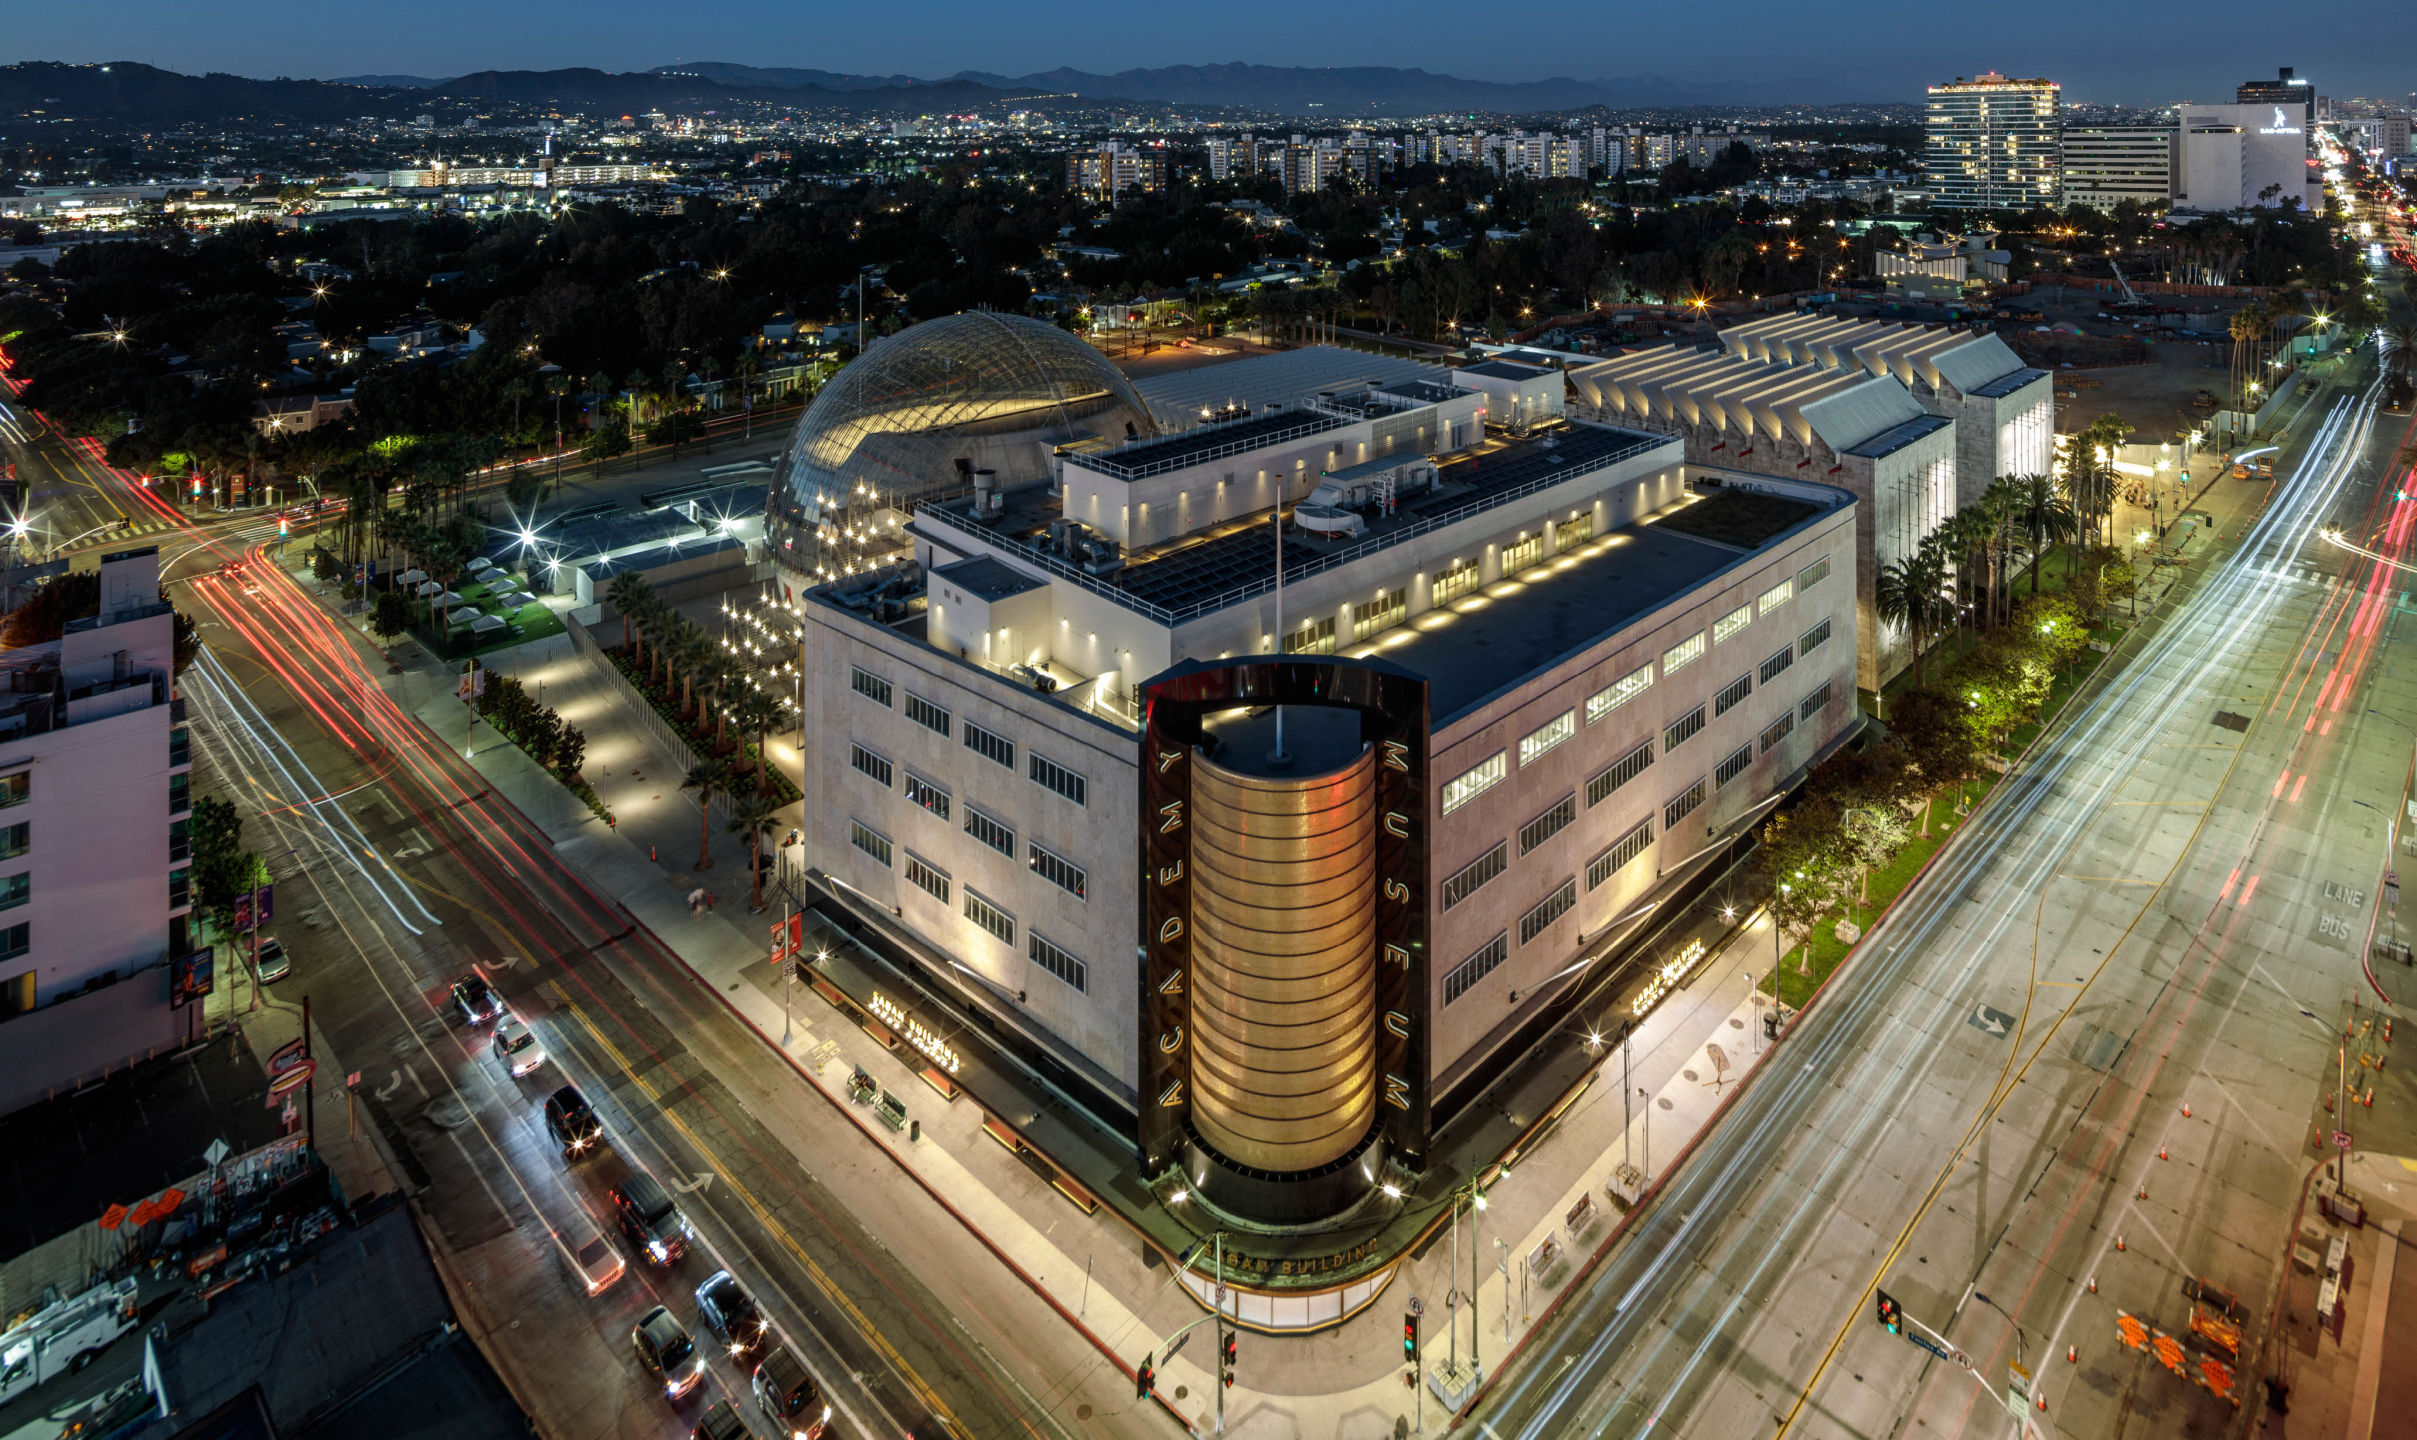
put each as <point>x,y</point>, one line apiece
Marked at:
<point>1145,1378</point>
<point>1232,1346</point>
<point>1409,1337</point>
<point>1892,1319</point>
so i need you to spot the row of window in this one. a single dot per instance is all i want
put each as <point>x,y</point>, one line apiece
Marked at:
<point>988,744</point>
<point>1462,978</point>
<point>1060,962</point>
<point>1543,739</point>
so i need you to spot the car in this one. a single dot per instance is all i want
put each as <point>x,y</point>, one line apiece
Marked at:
<point>516,1046</point>
<point>654,1225</point>
<point>667,1352</point>
<point>721,1421</point>
<point>730,1313</point>
<point>785,1391</point>
<point>476,999</point>
<point>270,963</point>
<point>573,1123</point>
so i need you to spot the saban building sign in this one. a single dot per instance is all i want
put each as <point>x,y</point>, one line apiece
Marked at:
<point>1284,932</point>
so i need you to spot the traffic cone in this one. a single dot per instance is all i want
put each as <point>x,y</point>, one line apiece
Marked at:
<point>2093,1284</point>
<point>2073,1354</point>
<point>2119,1244</point>
<point>2186,1111</point>
<point>2160,1152</point>
<point>2043,1403</point>
<point>2143,1195</point>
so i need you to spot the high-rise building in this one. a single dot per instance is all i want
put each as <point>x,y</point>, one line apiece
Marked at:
<point>95,968</point>
<point>2236,157</point>
<point>2286,90</point>
<point>1992,143</point>
<point>2105,165</point>
<point>1115,168</point>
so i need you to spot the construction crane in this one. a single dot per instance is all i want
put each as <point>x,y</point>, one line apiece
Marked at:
<point>2130,297</point>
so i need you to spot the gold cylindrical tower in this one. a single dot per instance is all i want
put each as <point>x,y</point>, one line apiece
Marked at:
<point>1284,980</point>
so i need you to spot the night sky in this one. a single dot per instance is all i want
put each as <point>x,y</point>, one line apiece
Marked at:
<point>2124,51</point>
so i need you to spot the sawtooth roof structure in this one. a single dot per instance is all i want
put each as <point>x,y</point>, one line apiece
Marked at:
<point>1684,387</point>
<point>1931,357</point>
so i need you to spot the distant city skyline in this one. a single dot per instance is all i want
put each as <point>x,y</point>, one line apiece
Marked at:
<point>2157,53</point>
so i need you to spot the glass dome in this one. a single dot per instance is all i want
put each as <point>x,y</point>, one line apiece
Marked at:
<point>978,391</point>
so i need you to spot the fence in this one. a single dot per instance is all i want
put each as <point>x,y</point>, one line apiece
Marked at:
<point>603,673</point>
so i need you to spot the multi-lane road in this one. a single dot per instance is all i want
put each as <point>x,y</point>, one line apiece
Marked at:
<point>2081,1061</point>
<point>399,871</point>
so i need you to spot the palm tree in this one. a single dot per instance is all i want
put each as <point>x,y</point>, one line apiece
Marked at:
<point>1965,536</point>
<point>2248,324</point>
<point>708,778</point>
<point>626,594</point>
<point>686,651</point>
<point>753,816</point>
<point>2045,516</point>
<point>758,713</point>
<point>1906,595</point>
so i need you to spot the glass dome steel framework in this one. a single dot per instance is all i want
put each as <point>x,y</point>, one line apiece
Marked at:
<point>994,391</point>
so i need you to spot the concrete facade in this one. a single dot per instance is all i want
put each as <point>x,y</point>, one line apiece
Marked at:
<point>2105,165</point>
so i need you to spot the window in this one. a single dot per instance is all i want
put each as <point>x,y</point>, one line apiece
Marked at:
<point>1620,772</point>
<point>1680,808</point>
<point>869,841</point>
<point>1552,907</point>
<point>14,788</point>
<point>1676,657</point>
<point>1389,608</point>
<point>180,746</point>
<point>1814,703</point>
<point>1050,775</point>
<point>1473,876</point>
<point>990,917</point>
<point>924,713</point>
<point>1058,871</point>
<point>180,794</point>
<point>928,876</point>
<point>871,764</point>
<point>1683,729</point>
<point>1576,530</point>
<point>15,941</point>
<point>871,686</point>
<point>1465,975</point>
<point>997,749</point>
<point>1618,693</point>
<point>1814,639</point>
<point>924,793</point>
<point>1733,695</point>
<point>1455,582</point>
<point>18,838</point>
<point>996,834</point>
<point>1812,575</point>
<point>1058,961</point>
<point>1314,638</point>
<point>1475,782</point>
<point>1778,595</point>
<point>1628,847</point>
<point>1778,731</point>
<point>1544,737</point>
<point>1545,826</point>
<point>1778,664</point>
<point>1523,552</point>
<point>14,891</point>
<point>1729,624</point>
<point>1734,766</point>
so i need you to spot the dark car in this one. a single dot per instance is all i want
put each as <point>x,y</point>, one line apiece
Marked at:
<point>573,1124</point>
<point>476,999</point>
<point>730,1314</point>
<point>666,1351</point>
<point>785,1391</point>
<point>720,1422</point>
<point>653,1224</point>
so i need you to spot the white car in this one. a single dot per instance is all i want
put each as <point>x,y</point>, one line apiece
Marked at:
<point>516,1045</point>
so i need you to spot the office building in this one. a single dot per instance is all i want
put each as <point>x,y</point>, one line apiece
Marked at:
<point>2105,165</point>
<point>1521,697</point>
<point>2286,90</point>
<point>2236,157</point>
<point>1991,144</point>
<point>1837,425</point>
<point>95,968</point>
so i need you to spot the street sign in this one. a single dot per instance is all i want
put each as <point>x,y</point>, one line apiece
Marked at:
<point>2341,1139</point>
<point>1417,1306</point>
<point>1997,1024</point>
<point>2018,1391</point>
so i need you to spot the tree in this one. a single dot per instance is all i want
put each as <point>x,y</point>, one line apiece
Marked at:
<point>753,817</point>
<point>223,871</point>
<point>626,594</point>
<point>2046,517</point>
<point>392,615</point>
<point>708,778</point>
<point>570,752</point>
<point>1800,853</point>
<point>1907,594</point>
